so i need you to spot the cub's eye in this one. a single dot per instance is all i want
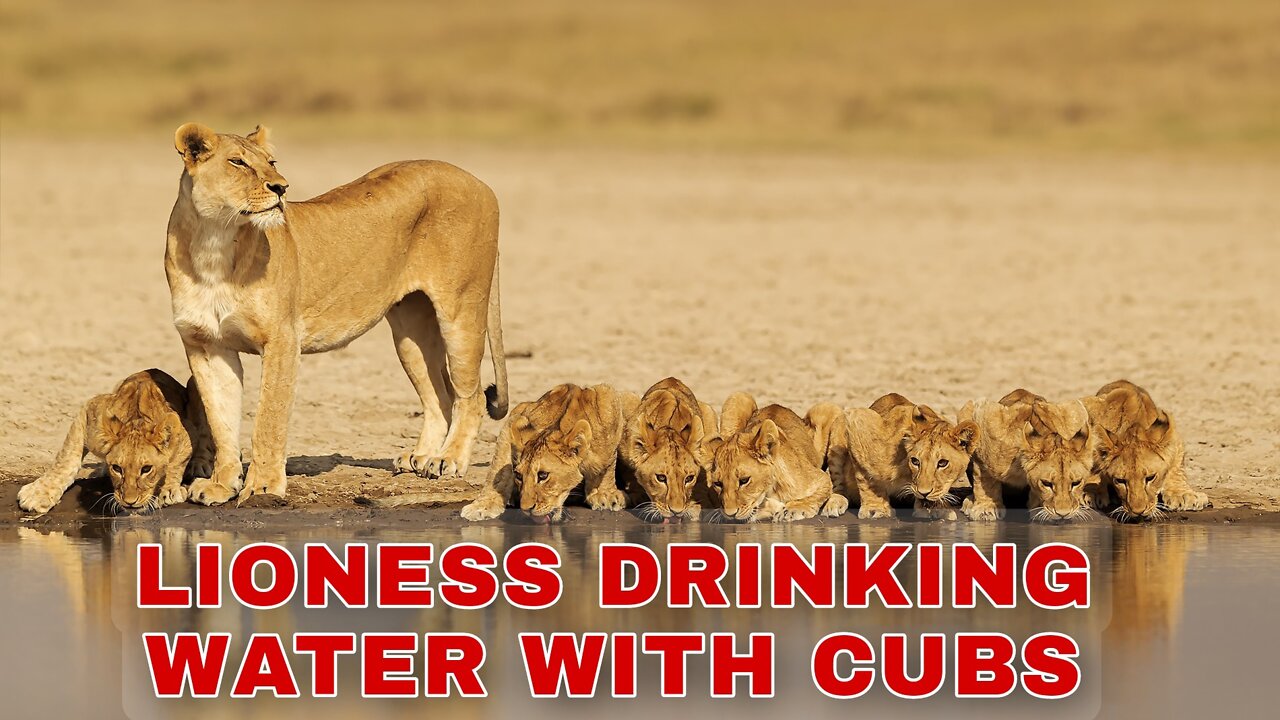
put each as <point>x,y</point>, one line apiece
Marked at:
<point>145,469</point>
<point>1151,478</point>
<point>688,479</point>
<point>943,463</point>
<point>660,478</point>
<point>717,485</point>
<point>543,475</point>
<point>1118,481</point>
<point>1077,483</point>
<point>116,469</point>
<point>238,162</point>
<point>743,481</point>
<point>915,462</point>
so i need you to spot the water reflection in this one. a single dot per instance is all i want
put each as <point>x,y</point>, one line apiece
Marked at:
<point>76,602</point>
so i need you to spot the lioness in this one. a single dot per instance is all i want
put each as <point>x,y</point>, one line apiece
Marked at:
<point>146,431</point>
<point>565,439</point>
<point>1029,442</point>
<point>1139,453</point>
<point>765,465</point>
<point>897,448</point>
<point>415,242</point>
<point>662,444</point>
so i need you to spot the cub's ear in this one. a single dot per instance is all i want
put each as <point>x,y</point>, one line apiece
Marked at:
<point>1107,443</point>
<point>261,136</point>
<point>580,437</point>
<point>110,427</point>
<point>966,435</point>
<point>195,142</point>
<point>1160,427</point>
<point>1080,440</point>
<point>765,440</point>
<point>709,448</point>
<point>161,436</point>
<point>521,431</point>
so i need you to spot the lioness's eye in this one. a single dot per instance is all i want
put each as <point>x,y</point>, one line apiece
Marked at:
<point>116,469</point>
<point>145,469</point>
<point>238,162</point>
<point>943,463</point>
<point>1150,478</point>
<point>660,478</point>
<point>543,475</point>
<point>743,481</point>
<point>915,462</point>
<point>688,479</point>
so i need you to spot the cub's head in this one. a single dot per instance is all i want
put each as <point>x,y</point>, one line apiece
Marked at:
<point>665,447</point>
<point>1058,459</point>
<point>232,180</point>
<point>138,435</point>
<point>547,466</point>
<point>742,469</point>
<point>1135,464</point>
<point>938,454</point>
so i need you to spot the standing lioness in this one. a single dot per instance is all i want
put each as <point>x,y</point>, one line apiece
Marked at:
<point>415,242</point>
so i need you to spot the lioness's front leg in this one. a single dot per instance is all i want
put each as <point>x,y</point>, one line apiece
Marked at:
<point>220,377</point>
<point>266,475</point>
<point>42,494</point>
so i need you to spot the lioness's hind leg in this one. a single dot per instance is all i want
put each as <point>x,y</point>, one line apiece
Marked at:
<point>420,347</point>
<point>462,324</point>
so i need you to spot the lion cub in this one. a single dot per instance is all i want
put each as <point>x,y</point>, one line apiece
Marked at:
<point>1139,453</point>
<point>896,448</point>
<point>565,439</point>
<point>765,465</point>
<point>146,431</point>
<point>1029,442</point>
<point>662,444</point>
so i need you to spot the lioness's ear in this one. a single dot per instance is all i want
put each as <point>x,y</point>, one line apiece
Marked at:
<point>966,435</point>
<point>580,437</point>
<point>261,136</point>
<point>765,440</point>
<point>195,142</point>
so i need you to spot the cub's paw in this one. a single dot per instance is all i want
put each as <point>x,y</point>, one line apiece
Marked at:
<point>982,512</point>
<point>1186,500</point>
<point>835,506</point>
<point>934,512</point>
<point>38,497</point>
<point>874,512</point>
<point>795,512</point>
<point>482,509</point>
<point>607,498</point>
<point>172,496</point>
<point>692,512</point>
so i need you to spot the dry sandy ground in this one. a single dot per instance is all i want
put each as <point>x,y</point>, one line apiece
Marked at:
<point>798,279</point>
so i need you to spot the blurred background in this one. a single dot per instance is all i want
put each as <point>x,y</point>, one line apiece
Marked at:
<point>899,77</point>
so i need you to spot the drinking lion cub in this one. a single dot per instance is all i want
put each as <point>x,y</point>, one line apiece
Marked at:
<point>663,446</point>
<point>765,465</point>
<point>146,431</point>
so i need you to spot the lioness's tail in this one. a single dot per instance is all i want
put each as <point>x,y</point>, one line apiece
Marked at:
<point>496,394</point>
<point>399,500</point>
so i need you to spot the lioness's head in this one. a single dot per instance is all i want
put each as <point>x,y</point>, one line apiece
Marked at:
<point>137,437</point>
<point>668,457</point>
<point>742,469</point>
<point>547,466</point>
<point>1135,464</point>
<point>938,454</point>
<point>1058,459</point>
<point>232,180</point>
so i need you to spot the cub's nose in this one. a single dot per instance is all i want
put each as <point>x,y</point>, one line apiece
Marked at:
<point>278,188</point>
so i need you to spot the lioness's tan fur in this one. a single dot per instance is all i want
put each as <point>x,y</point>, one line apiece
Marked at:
<point>765,465</point>
<point>1029,442</point>
<point>145,431</point>
<point>415,242</point>
<point>663,446</point>
<point>1139,453</point>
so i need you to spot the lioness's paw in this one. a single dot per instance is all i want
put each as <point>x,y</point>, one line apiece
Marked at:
<point>215,490</point>
<point>172,496</point>
<point>482,509</point>
<point>1186,500</point>
<point>607,498</point>
<point>437,467</point>
<point>263,480</point>
<point>982,512</point>
<point>199,468</point>
<point>874,512</point>
<point>38,497</point>
<point>835,506</point>
<point>410,462</point>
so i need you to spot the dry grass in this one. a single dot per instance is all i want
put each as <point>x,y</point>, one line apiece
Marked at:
<point>915,77</point>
